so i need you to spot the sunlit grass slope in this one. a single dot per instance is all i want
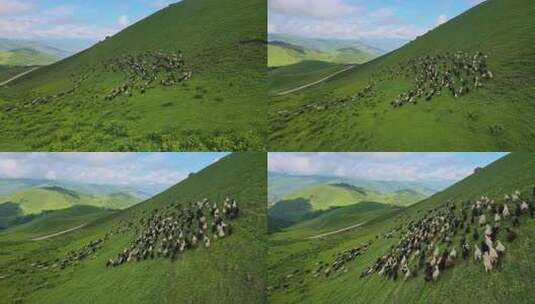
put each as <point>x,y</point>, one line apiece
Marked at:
<point>222,107</point>
<point>467,282</point>
<point>232,270</point>
<point>495,117</point>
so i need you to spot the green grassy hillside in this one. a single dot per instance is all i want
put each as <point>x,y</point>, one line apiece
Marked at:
<point>11,185</point>
<point>326,196</point>
<point>9,71</point>
<point>26,57</point>
<point>65,106</point>
<point>353,111</point>
<point>320,200</point>
<point>36,200</point>
<point>223,273</point>
<point>293,259</point>
<point>50,222</point>
<point>281,185</point>
<point>292,76</point>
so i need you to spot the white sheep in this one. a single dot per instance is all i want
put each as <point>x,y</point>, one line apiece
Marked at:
<point>493,255</point>
<point>500,247</point>
<point>505,212</point>
<point>524,207</point>
<point>436,273</point>
<point>482,220</point>
<point>488,230</point>
<point>487,262</point>
<point>477,254</point>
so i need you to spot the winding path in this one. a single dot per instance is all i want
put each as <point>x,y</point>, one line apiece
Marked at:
<point>58,233</point>
<point>315,82</point>
<point>18,76</point>
<point>335,232</point>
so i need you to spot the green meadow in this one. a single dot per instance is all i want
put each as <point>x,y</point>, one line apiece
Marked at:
<point>232,270</point>
<point>293,257</point>
<point>495,117</point>
<point>222,107</point>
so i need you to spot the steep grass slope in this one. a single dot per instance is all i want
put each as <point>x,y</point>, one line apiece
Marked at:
<point>8,71</point>
<point>497,116</point>
<point>467,282</point>
<point>232,270</point>
<point>222,107</point>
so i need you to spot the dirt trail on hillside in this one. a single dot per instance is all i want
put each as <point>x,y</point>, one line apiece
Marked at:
<point>335,232</point>
<point>58,233</point>
<point>315,82</point>
<point>18,76</point>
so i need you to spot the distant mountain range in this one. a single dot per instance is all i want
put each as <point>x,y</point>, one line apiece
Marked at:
<point>288,49</point>
<point>9,186</point>
<point>280,184</point>
<point>23,52</point>
<point>27,200</point>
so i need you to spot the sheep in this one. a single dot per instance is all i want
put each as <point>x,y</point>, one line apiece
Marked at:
<point>493,255</point>
<point>487,262</point>
<point>488,241</point>
<point>500,248</point>
<point>505,212</point>
<point>436,273</point>
<point>488,230</point>
<point>524,207</point>
<point>477,254</point>
<point>482,220</point>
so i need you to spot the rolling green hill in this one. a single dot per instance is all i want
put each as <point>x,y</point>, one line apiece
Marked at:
<point>317,200</point>
<point>223,273</point>
<point>132,92</point>
<point>340,194</point>
<point>280,185</point>
<point>293,259</point>
<point>282,54</point>
<point>26,57</point>
<point>26,205</point>
<point>353,111</point>
<point>11,185</point>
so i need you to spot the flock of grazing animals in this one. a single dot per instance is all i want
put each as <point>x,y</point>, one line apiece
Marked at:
<point>165,233</point>
<point>146,69</point>
<point>458,72</point>
<point>169,232</point>
<point>341,259</point>
<point>430,242</point>
<point>143,71</point>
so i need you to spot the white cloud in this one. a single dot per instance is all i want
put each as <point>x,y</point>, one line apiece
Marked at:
<point>100,168</point>
<point>14,7</point>
<point>123,21</point>
<point>313,8</point>
<point>374,166</point>
<point>441,20</point>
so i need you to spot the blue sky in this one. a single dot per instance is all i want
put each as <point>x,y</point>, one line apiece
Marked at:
<point>72,19</point>
<point>160,170</point>
<point>362,19</point>
<point>383,166</point>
